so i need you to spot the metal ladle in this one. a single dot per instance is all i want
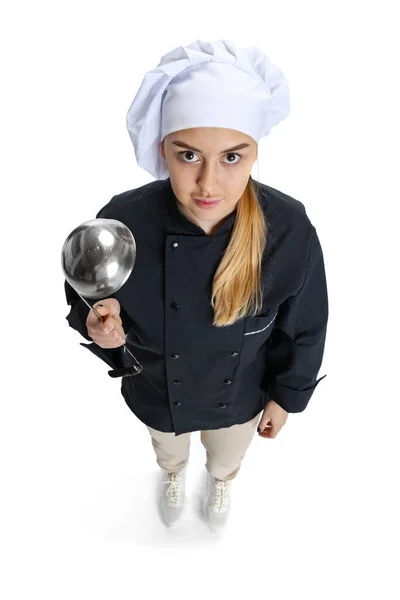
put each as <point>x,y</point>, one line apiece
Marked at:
<point>97,258</point>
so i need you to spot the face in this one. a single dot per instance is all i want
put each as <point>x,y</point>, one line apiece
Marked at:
<point>208,162</point>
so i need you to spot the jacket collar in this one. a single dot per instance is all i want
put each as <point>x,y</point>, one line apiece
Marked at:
<point>188,226</point>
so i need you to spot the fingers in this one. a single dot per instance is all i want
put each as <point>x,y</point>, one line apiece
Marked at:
<point>266,429</point>
<point>104,326</point>
<point>263,424</point>
<point>108,333</point>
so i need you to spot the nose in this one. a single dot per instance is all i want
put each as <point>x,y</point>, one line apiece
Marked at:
<point>207,180</point>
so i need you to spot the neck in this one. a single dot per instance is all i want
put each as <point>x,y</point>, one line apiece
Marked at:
<point>209,227</point>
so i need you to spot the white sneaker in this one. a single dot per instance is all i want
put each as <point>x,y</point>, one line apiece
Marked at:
<point>217,503</point>
<point>172,497</point>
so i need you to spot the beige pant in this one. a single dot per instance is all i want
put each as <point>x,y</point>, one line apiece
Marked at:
<point>225,448</point>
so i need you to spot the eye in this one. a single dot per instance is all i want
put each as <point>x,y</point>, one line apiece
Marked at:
<point>233,154</point>
<point>233,164</point>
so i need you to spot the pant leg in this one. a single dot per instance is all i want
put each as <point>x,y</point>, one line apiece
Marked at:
<point>172,451</point>
<point>227,447</point>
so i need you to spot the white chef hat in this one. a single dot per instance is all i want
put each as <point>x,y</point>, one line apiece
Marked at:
<point>205,84</point>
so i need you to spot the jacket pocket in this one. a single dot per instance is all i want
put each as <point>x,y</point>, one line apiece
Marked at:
<point>259,326</point>
<point>255,335</point>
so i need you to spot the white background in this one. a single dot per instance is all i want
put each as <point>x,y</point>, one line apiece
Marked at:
<point>315,510</point>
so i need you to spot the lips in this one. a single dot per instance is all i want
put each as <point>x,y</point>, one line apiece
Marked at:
<point>208,199</point>
<point>207,204</point>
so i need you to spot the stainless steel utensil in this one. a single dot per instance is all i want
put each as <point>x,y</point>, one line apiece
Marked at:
<point>97,258</point>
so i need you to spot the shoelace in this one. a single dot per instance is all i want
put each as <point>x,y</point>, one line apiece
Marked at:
<point>173,491</point>
<point>221,495</point>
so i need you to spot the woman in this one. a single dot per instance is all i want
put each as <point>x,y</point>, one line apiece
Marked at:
<point>227,306</point>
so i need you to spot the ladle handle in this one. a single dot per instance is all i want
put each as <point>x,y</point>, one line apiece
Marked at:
<point>116,372</point>
<point>91,307</point>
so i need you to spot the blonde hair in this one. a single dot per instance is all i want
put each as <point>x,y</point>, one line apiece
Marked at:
<point>237,285</point>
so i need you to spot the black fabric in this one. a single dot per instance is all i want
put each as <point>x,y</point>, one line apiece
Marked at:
<point>221,376</point>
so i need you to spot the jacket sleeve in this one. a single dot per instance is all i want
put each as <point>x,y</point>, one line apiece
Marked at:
<point>296,345</point>
<point>76,318</point>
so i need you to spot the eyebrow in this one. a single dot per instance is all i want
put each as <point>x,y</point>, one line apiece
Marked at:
<point>184,145</point>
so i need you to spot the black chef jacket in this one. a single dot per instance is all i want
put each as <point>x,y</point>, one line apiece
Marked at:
<point>197,376</point>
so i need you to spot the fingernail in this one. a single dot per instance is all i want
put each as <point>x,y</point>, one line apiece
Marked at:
<point>259,430</point>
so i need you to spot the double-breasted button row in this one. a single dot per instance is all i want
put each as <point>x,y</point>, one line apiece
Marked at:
<point>178,403</point>
<point>179,381</point>
<point>174,356</point>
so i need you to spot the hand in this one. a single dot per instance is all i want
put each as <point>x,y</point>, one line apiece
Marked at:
<point>277,415</point>
<point>109,334</point>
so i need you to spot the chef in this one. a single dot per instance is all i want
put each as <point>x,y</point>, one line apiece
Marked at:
<point>226,308</point>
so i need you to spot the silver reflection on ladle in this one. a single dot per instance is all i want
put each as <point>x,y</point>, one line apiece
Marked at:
<point>97,258</point>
